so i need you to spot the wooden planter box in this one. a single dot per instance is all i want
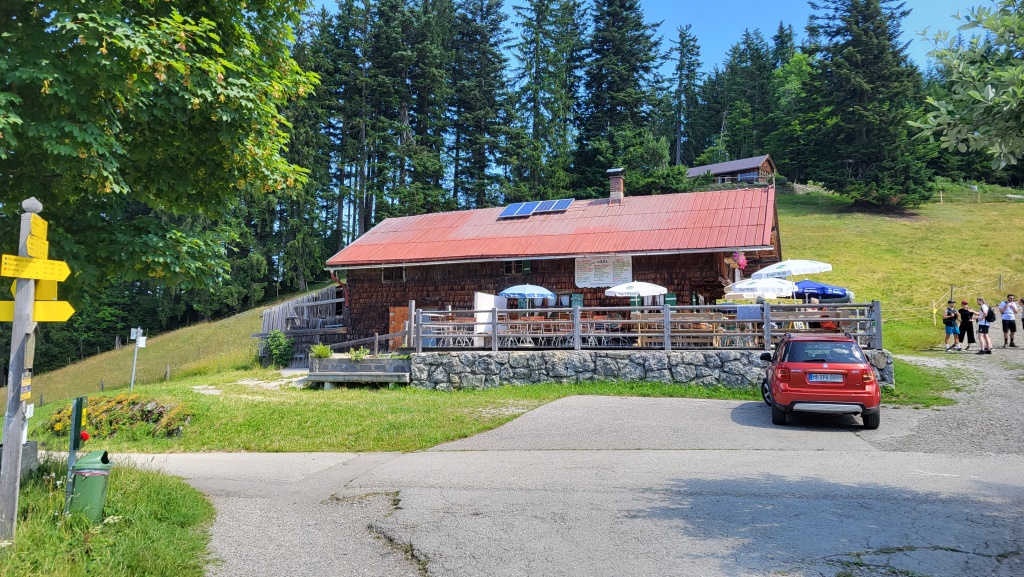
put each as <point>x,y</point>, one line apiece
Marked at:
<point>339,369</point>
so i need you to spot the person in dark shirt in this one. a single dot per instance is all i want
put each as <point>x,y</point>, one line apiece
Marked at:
<point>967,315</point>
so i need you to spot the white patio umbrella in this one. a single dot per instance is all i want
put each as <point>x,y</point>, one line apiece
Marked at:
<point>636,289</point>
<point>527,291</point>
<point>768,288</point>
<point>788,268</point>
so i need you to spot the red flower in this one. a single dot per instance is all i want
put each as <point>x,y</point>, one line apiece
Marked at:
<point>85,436</point>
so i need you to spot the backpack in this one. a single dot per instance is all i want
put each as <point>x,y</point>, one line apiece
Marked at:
<point>951,321</point>
<point>991,316</point>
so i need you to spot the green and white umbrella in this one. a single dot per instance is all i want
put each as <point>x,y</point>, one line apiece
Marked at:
<point>788,268</point>
<point>636,289</point>
<point>769,288</point>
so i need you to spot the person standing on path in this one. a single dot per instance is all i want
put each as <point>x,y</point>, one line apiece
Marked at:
<point>984,341</point>
<point>967,315</point>
<point>1009,310</point>
<point>949,321</point>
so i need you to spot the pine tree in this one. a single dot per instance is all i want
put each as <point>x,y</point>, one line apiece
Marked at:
<point>619,79</point>
<point>432,91</point>
<point>480,108</point>
<point>783,45</point>
<point>684,98</point>
<point>301,249</point>
<point>549,52</point>
<point>863,79</point>
<point>748,91</point>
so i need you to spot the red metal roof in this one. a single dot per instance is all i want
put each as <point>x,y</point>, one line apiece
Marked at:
<point>666,223</point>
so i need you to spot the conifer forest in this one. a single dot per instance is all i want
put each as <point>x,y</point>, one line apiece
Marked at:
<point>273,135</point>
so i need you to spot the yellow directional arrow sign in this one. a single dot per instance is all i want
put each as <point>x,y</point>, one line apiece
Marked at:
<point>37,268</point>
<point>46,290</point>
<point>44,312</point>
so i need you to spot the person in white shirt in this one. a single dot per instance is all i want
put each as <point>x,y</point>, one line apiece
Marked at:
<point>983,339</point>
<point>1009,309</point>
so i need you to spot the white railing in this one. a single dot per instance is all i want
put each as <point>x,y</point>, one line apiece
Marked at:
<point>725,326</point>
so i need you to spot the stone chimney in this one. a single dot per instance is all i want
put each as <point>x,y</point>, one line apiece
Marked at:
<point>616,185</point>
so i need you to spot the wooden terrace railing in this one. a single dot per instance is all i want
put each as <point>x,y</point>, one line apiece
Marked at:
<point>725,326</point>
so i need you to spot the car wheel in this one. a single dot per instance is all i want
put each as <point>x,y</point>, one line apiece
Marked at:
<point>766,392</point>
<point>778,416</point>
<point>872,421</point>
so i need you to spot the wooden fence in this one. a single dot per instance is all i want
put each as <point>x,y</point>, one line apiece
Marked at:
<point>726,326</point>
<point>309,319</point>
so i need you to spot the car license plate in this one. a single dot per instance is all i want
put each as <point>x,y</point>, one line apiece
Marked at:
<point>821,378</point>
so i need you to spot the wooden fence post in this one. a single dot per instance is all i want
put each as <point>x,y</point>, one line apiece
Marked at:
<point>376,343</point>
<point>767,312</point>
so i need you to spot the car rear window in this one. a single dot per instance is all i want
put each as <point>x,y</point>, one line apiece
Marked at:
<point>822,352</point>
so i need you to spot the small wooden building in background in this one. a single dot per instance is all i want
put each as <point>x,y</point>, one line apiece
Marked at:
<point>679,241</point>
<point>754,169</point>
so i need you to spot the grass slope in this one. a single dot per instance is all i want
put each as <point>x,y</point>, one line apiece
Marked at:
<point>204,348</point>
<point>908,261</point>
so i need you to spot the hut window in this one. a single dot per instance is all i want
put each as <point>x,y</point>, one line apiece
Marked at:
<point>511,267</point>
<point>393,274</point>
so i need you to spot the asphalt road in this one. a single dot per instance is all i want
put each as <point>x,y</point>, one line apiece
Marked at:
<point>601,486</point>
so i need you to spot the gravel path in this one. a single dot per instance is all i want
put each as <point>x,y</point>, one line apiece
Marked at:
<point>988,417</point>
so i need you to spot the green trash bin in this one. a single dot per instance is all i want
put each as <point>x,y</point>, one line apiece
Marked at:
<point>89,492</point>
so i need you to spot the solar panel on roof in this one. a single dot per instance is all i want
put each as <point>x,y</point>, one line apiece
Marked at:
<point>554,205</point>
<point>546,206</point>
<point>527,209</point>
<point>511,209</point>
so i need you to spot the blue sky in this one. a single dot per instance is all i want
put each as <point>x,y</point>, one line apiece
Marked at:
<point>719,24</point>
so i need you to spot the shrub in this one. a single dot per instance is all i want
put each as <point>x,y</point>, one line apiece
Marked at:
<point>320,351</point>
<point>108,416</point>
<point>280,347</point>
<point>359,354</point>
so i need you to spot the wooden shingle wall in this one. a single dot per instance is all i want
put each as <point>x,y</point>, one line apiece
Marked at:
<point>440,286</point>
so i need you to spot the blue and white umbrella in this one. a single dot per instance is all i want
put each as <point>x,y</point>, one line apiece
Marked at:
<point>788,268</point>
<point>809,288</point>
<point>527,291</point>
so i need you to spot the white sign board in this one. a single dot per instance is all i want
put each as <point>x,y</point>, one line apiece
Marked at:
<point>133,334</point>
<point>603,271</point>
<point>142,342</point>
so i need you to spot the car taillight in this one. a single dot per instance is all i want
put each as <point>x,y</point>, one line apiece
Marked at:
<point>868,376</point>
<point>784,374</point>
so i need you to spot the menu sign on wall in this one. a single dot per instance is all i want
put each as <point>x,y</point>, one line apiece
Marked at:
<point>603,271</point>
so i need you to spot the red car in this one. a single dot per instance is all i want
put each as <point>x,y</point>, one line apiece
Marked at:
<point>821,374</point>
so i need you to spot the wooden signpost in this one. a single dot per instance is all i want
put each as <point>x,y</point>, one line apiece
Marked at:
<point>35,301</point>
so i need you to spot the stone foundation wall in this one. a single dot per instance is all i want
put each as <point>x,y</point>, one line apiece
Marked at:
<point>482,370</point>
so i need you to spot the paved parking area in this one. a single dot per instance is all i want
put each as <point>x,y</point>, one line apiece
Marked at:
<point>606,486</point>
